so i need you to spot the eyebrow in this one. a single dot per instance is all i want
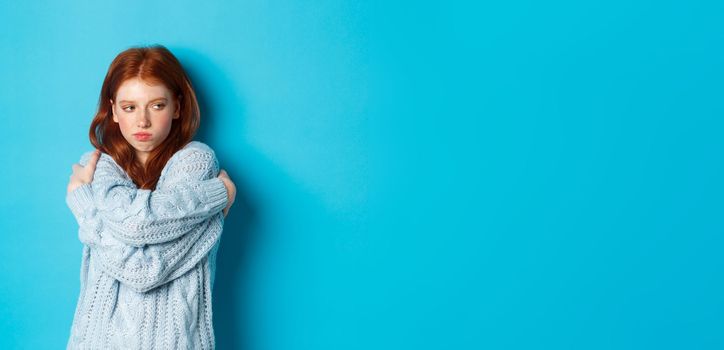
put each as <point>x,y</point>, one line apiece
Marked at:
<point>155,99</point>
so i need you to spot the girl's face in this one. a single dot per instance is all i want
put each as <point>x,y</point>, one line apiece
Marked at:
<point>144,113</point>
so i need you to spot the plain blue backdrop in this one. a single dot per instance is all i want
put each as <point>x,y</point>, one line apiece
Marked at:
<point>411,175</point>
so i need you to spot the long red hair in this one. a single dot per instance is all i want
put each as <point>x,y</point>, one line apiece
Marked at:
<point>157,65</point>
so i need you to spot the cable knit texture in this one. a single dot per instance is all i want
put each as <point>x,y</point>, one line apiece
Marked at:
<point>148,263</point>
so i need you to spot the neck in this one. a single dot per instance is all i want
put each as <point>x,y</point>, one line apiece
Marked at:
<point>142,157</point>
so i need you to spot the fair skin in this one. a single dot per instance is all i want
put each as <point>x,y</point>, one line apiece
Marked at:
<point>147,108</point>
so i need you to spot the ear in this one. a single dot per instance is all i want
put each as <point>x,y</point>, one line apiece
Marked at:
<point>178,108</point>
<point>113,110</point>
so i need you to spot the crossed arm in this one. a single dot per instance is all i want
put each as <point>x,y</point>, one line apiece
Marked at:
<point>146,238</point>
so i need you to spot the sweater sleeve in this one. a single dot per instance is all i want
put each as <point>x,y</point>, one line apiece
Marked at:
<point>146,238</point>
<point>147,267</point>
<point>190,194</point>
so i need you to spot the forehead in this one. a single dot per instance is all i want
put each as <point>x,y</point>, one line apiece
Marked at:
<point>140,90</point>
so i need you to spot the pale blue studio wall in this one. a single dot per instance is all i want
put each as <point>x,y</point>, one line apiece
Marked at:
<point>419,175</point>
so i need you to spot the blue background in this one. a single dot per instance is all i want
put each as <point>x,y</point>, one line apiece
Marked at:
<point>411,175</point>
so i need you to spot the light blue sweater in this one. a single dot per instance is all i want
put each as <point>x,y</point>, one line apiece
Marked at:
<point>148,263</point>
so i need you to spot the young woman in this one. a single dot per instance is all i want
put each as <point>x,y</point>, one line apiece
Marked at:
<point>150,204</point>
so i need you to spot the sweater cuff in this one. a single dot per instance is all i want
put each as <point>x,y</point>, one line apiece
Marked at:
<point>216,195</point>
<point>80,200</point>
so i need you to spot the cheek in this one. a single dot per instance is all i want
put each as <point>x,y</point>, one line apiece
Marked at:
<point>165,123</point>
<point>125,125</point>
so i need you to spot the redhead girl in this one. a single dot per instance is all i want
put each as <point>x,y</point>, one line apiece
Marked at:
<point>150,203</point>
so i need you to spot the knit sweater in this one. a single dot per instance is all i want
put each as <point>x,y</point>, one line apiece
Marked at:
<point>148,263</point>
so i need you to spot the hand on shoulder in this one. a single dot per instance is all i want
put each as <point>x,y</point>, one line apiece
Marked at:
<point>82,173</point>
<point>230,189</point>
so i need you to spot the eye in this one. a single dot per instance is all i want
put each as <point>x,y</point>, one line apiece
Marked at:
<point>128,108</point>
<point>160,106</point>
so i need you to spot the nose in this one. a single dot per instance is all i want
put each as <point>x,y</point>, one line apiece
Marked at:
<point>143,120</point>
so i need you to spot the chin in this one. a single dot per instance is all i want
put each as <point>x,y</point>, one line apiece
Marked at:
<point>144,147</point>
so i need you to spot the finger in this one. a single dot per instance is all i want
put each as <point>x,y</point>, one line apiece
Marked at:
<point>76,166</point>
<point>93,160</point>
